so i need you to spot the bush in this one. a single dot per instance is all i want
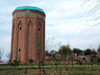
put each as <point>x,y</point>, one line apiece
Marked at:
<point>30,61</point>
<point>80,62</point>
<point>14,63</point>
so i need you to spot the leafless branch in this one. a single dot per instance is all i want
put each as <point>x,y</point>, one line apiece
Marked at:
<point>1,54</point>
<point>8,54</point>
<point>93,7</point>
<point>52,44</point>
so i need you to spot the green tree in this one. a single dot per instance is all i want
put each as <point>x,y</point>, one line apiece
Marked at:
<point>65,50</point>
<point>77,51</point>
<point>87,52</point>
<point>93,59</point>
<point>47,53</point>
<point>98,60</point>
<point>94,52</point>
<point>54,55</point>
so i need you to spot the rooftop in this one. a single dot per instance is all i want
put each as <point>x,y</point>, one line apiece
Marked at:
<point>29,7</point>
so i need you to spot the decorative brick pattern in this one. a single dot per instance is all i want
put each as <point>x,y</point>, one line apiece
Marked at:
<point>29,14</point>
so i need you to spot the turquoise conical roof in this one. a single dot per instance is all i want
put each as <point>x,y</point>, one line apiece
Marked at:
<point>29,7</point>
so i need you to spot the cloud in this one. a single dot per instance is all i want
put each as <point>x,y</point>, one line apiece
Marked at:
<point>66,20</point>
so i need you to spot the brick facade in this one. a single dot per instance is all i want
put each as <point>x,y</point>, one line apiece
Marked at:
<point>28,36</point>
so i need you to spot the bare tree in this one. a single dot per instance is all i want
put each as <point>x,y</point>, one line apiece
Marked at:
<point>8,54</point>
<point>1,54</point>
<point>52,44</point>
<point>95,4</point>
<point>93,7</point>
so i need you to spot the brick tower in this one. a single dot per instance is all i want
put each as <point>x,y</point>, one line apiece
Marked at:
<point>28,34</point>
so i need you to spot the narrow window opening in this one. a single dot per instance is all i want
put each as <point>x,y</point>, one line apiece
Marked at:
<point>20,28</point>
<point>38,29</point>
<point>19,50</point>
<point>20,23</point>
<point>30,23</point>
<point>39,24</point>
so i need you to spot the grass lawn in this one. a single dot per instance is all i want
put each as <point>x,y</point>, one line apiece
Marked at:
<point>50,70</point>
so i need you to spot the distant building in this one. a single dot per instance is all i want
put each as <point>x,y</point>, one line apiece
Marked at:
<point>28,34</point>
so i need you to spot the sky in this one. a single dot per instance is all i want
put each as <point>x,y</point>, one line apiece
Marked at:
<point>67,21</point>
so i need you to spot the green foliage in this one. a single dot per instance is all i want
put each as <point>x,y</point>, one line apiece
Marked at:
<point>65,50</point>
<point>94,52</point>
<point>93,59</point>
<point>66,68</point>
<point>87,52</point>
<point>47,53</point>
<point>77,51</point>
<point>80,63</point>
<point>30,61</point>
<point>98,59</point>
<point>90,52</point>
<point>69,70</point>
<point>14,63</point>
